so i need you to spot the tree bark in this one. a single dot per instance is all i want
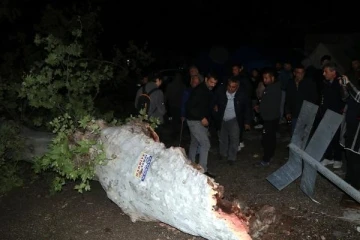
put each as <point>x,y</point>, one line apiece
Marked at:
<point>150,182</point>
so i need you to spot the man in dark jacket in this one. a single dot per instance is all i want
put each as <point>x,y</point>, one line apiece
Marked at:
<point>194,82</point>
<point>173,96</point>
<point>331,98</point>
<point>233,108</point>
<point>198,110</point>
<point>298,90</point>
<point>270,112</point>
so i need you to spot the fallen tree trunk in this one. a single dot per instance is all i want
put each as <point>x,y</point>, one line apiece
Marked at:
<point>37,143</point>
<point>150,182</point>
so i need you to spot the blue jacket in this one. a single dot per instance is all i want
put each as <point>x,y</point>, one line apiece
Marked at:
<point>185,98</point>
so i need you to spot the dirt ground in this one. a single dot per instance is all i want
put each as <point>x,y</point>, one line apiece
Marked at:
<point>30,213</point>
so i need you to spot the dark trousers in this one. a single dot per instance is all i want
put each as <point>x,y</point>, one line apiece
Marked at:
<point>352,158</point>
<point>176,120</point>
<point>334,150</point>
<point>258,118</point>
<point>353,169</point>
<point>268,140</point>
<point>242,130</point>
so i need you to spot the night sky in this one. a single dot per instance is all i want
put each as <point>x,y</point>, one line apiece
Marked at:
<point>199,24</point>
<point>188,26</point>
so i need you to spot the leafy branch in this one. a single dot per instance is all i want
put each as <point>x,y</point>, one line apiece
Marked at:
<point>74,152</point>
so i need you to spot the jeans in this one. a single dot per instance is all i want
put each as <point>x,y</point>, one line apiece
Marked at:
<point>199,138</point>
<point>229,139</point>
<point>269,139</point>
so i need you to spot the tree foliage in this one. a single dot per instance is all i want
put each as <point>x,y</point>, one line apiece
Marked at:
<point>65,81</point>
<point>57,22</point>
<point>77,149</point>
<point>8,12</point>
<point>74,152</point>
<point>52,82</point>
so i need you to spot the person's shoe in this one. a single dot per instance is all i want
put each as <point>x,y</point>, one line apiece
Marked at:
<point>326,162</point>
<point>210,175</point>
<point>262,164</point>
<point>337,164</point>
<point>259,126</point>
<point>241,145</point>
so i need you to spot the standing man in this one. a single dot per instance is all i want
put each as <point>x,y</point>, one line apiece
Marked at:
<point>151,98</point>
<point>233,108</point>
<point>270,112</point>
<point>198,110</point>
<point>331,98</point>
<point>173,96</point>
<point>194,82</point>
<point>299,89</point>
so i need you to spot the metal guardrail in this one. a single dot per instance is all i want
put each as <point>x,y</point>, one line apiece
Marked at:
<point>305,156</point>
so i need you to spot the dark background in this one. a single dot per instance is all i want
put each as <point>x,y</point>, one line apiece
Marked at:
<point>190,27</point>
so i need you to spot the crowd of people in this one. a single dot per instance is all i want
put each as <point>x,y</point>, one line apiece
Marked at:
<point>260,99</point>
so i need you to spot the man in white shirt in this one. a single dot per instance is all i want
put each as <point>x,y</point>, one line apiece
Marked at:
<point>233,107</point>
